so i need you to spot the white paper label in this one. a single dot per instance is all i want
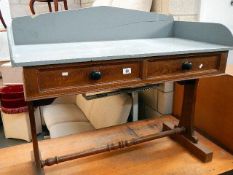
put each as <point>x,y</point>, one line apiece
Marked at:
<point>65,74</point>
<point>201,66</point>
<point>126,71</point>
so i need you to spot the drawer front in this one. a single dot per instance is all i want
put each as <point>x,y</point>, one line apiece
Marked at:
<point>182,66</point>
<point>56,80</point>
<point>78,76</point>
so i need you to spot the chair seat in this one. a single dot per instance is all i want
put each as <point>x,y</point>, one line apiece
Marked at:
<point>107,111</point>
<point>59,113</point>
<point>31,4</point>
<point>69,128</point>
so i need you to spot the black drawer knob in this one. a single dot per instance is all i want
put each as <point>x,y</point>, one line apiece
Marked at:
<point>95,75</point>
<point>187,66</point>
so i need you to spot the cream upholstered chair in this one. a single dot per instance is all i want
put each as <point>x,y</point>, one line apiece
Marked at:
<point>107,111</point>
<point>17,126</point>
<point>11,122</point>
<point>64,119</point>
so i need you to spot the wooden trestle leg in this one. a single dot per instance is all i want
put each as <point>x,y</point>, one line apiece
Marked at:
<point>36,153</point>
<point>187,138</point>
<point>183,133</point>
<point>188,108</point>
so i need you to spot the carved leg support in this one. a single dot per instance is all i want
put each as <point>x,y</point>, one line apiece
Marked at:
<point>188,108</point>
<point>65,5</point>
<point>55,5</point>
<point>31,5</point>
<point>50,6</point>
<point>187,138</point>
<point>36,157</point>
<point>2,20</point>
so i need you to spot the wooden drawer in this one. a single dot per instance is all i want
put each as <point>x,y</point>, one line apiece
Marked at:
<point>159,68</point>
<point>80,75</point>
<point>56,80</point>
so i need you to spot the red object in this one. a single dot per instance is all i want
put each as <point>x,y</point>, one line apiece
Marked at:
<point>15,110</point>
<point>12,99</point>
<point>12,92</point>
<point>13,103</point>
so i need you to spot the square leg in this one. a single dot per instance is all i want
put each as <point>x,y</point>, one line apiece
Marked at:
<point>36,153</point>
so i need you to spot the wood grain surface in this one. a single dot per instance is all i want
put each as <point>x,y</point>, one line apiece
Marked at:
<point>56,80</point>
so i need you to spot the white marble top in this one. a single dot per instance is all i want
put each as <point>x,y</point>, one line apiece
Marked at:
<point>45,54</point>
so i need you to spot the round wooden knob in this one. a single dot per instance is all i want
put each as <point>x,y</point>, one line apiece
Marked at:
<point>95,75</point>
<point>187,66</point>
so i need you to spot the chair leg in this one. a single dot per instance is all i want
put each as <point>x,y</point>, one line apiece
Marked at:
<point>65,5</point>
<point>2,20</point>
<point>56,5</point>
<point>50,7</point>
<point>31,5</point>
